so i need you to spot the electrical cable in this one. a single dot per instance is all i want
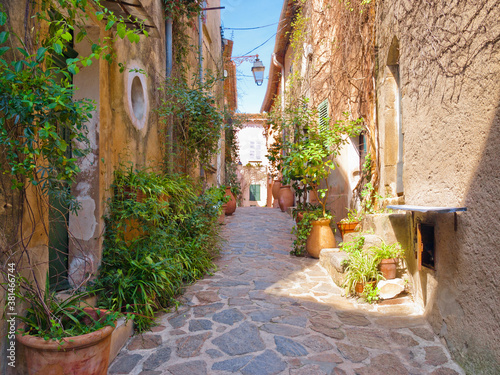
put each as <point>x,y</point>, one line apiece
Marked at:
<point>249,52</point>
<point>249,28</point>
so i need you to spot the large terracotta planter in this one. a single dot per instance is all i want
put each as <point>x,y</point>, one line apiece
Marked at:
<point>231,205</point>
<point>321,237</point>
<point>285,197</point>
<point>388,268</point>
<point>276,192</point>
<point>79,355</point>
<point>347,227</point>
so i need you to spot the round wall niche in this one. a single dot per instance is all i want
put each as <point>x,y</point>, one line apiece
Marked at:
<point>137,97</point>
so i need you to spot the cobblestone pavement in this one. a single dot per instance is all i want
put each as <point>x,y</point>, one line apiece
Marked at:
<point>266,312</point>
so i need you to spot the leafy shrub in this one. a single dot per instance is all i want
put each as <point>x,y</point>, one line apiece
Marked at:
<point>154,246</point>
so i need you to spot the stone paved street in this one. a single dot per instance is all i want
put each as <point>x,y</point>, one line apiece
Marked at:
<point>265,312</point>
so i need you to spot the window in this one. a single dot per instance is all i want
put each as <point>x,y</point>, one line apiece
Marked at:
<point>323,114</point>
<point>254,192</point>
<point>426,246</point>
<point>254,151</point>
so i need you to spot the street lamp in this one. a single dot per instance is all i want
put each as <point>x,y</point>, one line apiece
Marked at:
<point>257,68</point>
<point>258,71</point>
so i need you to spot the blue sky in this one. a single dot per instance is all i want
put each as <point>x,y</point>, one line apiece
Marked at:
<point>251,13</point>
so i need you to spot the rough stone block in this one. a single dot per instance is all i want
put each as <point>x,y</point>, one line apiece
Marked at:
<point>390,288</point>
<point>332,259</point>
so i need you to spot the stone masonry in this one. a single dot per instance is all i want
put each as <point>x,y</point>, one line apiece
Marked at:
<point>265,312</point>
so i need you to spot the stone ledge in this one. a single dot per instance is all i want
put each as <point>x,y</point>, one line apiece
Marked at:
<point>332,260</point>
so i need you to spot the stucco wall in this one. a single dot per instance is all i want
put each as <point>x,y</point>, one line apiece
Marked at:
<point>450,71</point>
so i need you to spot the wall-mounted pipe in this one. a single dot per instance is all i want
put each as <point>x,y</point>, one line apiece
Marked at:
<point>282,68</point>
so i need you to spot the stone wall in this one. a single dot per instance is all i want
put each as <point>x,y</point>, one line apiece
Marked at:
<point>448,61</point>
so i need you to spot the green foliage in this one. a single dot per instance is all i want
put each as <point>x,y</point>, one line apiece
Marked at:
<point>42,129</point>
<point>385,251</point>
<point>356,245</point>
<point>352,217</point>
<point>233,124</point>
<point>50,318</point>
<point>180,8</point>
<point>309,157</point>
<point>198,121</point>
<point>361,267</point>
<point>370,293</point>
<point>155,246</point>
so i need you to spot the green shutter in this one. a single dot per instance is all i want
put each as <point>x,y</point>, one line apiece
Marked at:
<point>323,115</point>
<point>254,192</point>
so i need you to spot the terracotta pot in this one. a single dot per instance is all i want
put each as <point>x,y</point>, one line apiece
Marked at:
<point>223,214</point>
<point>231,205</point>
<point>347,227</point>
<point>388,268</point>
<point>360,287</point>
<point>78,355</point>
<point>299,217</point>
<point>285,197</point>
<point>276,192</point>
<point>321,237</point>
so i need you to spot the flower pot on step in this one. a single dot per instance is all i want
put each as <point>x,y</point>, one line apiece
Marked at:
<point>347,227</point>
<point>321,237</point>
<point>388,268</point>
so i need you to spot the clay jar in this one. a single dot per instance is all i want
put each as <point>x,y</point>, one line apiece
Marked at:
<point>285,197</point>
<point>231,205</point>
<point>321,237</point>
<point>276,191</point>
<point>78,355</point>
<point>388,268</point>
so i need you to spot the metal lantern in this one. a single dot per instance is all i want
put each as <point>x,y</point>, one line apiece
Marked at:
<point>258,71</point>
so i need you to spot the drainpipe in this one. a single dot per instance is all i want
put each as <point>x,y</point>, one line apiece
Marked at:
<point>169,65</point>
<point>200,46</point>
<point>282,68</point>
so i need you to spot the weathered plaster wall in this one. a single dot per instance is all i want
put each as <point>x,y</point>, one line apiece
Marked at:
<point>336,64</point>
<point>449,65</point>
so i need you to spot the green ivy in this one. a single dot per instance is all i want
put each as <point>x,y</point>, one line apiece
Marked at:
<point>176,238</point>
<point>198,121</point>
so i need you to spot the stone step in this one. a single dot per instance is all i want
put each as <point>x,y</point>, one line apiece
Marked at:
<point>331,260</point>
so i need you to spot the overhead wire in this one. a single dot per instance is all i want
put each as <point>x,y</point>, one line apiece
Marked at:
<point>250,28</point>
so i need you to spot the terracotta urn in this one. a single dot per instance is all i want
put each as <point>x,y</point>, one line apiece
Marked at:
<point>388,268</point>
<point>231,205</point>
<point>77,355</point>
<point>285,197</point>
<point>321,237</point>
<point>276,191</point>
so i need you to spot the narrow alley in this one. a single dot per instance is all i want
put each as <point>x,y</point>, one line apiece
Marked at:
<point>265,312</point>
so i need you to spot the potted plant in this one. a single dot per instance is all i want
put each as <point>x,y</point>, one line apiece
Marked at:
<point>387,257</point>
<point>349,223</point>
<point>63,334</point>
<point>361,268</point>
<point>231,200</point>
